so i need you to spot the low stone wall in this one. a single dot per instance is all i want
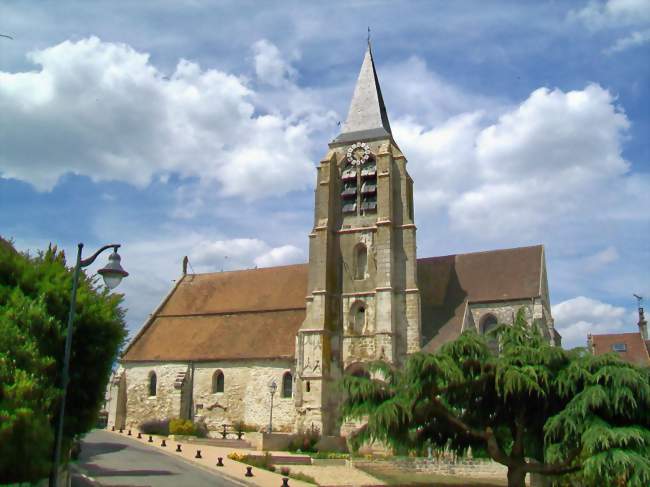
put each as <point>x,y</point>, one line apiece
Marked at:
<point>265,441</point>
<point>470,468</point>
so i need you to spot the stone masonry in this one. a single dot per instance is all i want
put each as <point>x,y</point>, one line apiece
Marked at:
<point>245,398</point>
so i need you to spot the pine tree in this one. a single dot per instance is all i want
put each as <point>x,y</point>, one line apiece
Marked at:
<point>530,406</point>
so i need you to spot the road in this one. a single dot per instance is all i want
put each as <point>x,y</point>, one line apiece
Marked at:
<point>121,461</point>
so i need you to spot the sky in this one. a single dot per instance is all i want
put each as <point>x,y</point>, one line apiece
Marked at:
<point>194,128</point>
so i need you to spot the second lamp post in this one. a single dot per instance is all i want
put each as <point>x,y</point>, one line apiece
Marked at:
<point>272,388</point>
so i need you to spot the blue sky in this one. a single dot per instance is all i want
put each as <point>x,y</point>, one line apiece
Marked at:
<point>149,124</point>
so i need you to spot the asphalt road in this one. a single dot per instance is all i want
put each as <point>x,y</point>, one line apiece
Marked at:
<point>120,461</point>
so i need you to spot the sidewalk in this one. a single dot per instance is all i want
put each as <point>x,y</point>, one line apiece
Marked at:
<point>324,475</point>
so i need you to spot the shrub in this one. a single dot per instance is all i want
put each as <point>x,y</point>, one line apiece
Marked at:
<point>201,429</point>
<point>155,427</point>
<point>331,455</point>
<point>305,440</point>
<point>265,462</point>
<point>179,426</point>
<point>285,471</point>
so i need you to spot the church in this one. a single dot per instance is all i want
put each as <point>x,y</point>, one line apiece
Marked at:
<point>216,342</point>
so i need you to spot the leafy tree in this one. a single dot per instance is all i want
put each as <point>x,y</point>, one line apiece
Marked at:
<point>530,406</point>
<point>34,303</point>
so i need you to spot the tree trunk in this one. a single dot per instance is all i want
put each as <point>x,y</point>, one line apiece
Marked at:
<point>516,476</point>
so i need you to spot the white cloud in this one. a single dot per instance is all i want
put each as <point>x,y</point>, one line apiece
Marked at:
<point>577,317</point>
<point>599,14</point>
<point>601,259</point>
<point>286,254</point>
<point>635,39</point>
<point>103,110</point>
<point>242,253</point>
<point>617,14</point>
<point>539,163</point>
<point>444,154</point>
<point>270,65</point>
<point>417,92</point>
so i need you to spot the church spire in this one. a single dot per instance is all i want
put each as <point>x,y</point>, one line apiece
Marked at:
<point>367,116</point>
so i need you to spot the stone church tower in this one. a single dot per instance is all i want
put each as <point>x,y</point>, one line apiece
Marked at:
<point>363,301</point>
<point>218,341</point>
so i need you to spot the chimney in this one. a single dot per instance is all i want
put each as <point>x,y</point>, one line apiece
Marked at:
<point>643,324</point>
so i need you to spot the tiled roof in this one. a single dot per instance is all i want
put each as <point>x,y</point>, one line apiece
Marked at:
<point>636,349</point>
<point>447,284</point>
<point>256,313</point>
<point>253,313</point>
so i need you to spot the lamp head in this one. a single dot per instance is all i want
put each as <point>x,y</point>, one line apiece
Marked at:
<point>273,387</point>
<point>113,272</point>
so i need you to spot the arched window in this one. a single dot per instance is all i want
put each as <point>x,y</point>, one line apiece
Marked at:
<point>153,382</point>
<point>360,261</point>
<point>488,323</point>
<point>308,387</point>
<point>357,318</point>
<point>217,382</point>
<point>287,384</point>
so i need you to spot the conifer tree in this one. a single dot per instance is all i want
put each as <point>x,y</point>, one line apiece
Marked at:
<point>530,406</point>
<point>34,303</point>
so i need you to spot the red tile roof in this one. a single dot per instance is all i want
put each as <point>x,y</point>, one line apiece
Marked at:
<point>636,348</point>
<point>256,313</point>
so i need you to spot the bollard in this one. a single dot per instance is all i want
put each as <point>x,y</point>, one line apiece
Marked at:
<point>121,430</point>
<point>163,443</point>
<point>178,447</point>
<point>219,462</point>
<point>129,433</point>
<point>249,472</point>
<point>285,482</point>
<point>113,428</point>
<point>198,454</point>
<point>139,435</point>
<point>150,440</point>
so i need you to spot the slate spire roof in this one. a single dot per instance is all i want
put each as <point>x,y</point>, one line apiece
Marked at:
<point>367,117</point>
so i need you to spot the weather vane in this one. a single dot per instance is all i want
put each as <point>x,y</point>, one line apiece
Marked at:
<point>368,34</point>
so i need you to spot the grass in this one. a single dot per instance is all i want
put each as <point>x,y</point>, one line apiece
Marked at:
<point>395,477</point>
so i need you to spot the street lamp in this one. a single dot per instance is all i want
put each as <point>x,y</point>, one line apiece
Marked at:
<point>272,388</point>
<point>113,275</point>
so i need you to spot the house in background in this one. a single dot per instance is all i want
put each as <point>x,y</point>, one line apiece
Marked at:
<point>631,347</point>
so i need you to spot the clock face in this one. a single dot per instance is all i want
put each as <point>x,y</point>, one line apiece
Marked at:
<point>358,153</point>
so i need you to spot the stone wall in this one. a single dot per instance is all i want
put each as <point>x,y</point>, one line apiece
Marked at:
<point>246,394</point>
<point>140,406</point>
<point>245,397</point>
<point>466,468</point>
<point>536,310</point>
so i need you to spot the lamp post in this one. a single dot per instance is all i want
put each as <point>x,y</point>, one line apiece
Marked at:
<point>272,388</point>
<point>113,275</point>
